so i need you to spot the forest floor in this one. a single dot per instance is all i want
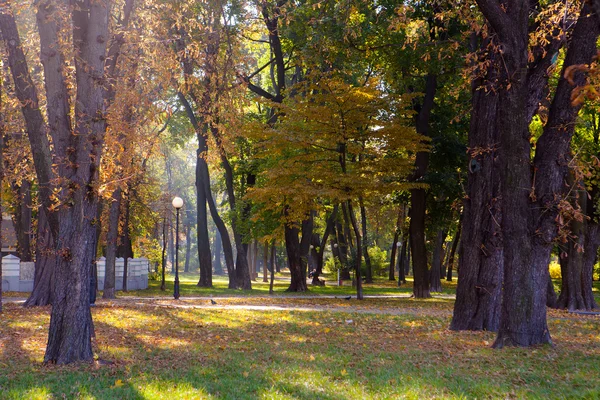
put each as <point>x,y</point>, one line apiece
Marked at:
<point>319,346</point>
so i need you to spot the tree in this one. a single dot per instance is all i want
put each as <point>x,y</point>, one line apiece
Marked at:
<point>70,194</point>
<point>523,309</point>
<point>350,141</point>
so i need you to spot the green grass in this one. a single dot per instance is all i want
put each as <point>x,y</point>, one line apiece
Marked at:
<point>171,352</point>
<point>188,287</point>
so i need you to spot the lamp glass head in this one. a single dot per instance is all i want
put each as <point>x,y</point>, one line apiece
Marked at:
<point>177,202</point>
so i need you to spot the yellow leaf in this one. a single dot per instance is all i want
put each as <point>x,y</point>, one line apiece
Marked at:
<point>118,383</point>
<point>327,330</point>
<point>343,372</point>
<point>312,358</point>
<point>245,374</point>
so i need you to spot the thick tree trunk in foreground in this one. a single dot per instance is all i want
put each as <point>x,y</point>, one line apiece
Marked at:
<point>553,178</point>
<point>480,259</point>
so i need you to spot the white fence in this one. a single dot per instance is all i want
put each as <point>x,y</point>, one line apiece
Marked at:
<point>18,276</point>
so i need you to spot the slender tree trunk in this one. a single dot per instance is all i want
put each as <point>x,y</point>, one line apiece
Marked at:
<point>408,260</point>
<point>125,249</point>
<point>188,245</point>
<point>217,256</point>
<point>45,260</point>
<point>164,255</point>
<point>453,250</point>
<point>273,268</point>
<point>111,244</point>
<point>418,196</point>
<point>359,291</point>
<point>395,248</point>
<point>22,220</point>
<point>204,256</point>
<point>342,250</point>
<point>401,262</point>
<point>435,284</point>
<point>365,242</point>
<point>265,261</point>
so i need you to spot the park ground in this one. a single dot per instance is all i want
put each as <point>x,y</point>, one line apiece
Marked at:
<point>314,346</point>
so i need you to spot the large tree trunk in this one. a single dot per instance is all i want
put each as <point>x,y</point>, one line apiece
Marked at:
<point>71,326</point>
<point>480,260</point>
<point>523,308</point>
<point>111,244</point>
<point>553,177</point>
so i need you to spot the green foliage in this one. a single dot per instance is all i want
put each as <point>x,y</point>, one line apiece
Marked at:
<point>379,262</point>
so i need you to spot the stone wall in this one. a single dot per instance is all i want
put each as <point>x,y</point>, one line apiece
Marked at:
<point>18,276</point>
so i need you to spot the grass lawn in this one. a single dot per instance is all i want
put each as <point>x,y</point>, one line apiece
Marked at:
<point>385,348</point>
<point>188,287</point>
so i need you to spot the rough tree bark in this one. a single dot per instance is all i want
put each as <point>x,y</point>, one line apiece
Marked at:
<point>553,177</point>
<point>480,260</point>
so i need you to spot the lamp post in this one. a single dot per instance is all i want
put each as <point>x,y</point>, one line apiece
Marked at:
<point>177,203</point>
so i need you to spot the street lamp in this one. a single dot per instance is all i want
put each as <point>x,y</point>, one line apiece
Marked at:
<point>177,203</point>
